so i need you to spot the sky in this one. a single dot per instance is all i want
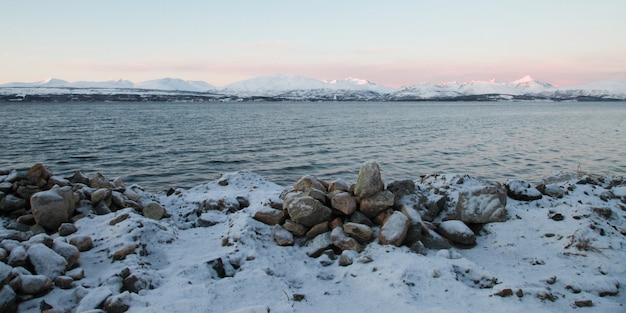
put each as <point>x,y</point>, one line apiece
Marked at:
<point>394,43</point>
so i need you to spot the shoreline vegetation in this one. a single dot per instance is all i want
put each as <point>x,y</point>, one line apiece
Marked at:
<point>91,243</point>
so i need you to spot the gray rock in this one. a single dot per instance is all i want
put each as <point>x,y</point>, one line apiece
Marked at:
<point>296,229</point>
<point>308,211</point>
<point>118,303</point>
<point>67,251</point>
<point>63,282</point>
<point>483,204</point>
<point>33,284</point>
<point>76,274</point>
<point>79,178</point>
<point>94,299</point>
<point>17,257</point>
<point>315,247</point>
<point>344,203</point>
<point>101,208</point>
<point>118,200</point>
<point>339,185</point>
<point>7,299</point>
<point>100,194</point>
<point>435,241</point>
<point>360,218</point>
<point>53,207</point>
<point>369,180</point>
<point>67,229</point>
<point>376,203</point>
<point>6,187</point>
<point>99,181</point>
<point>27,191</point>
<point>269,216</point>
<point>45,261</point>
<point>362,233</point>
<point>347,257</point>
<point>5,272</point>
<point>154,211</point>
<point>10,203</point>
<point>521,190</point>
<point>457,231</point>
<point>340,240</point>
<point>308,182</point>
<point>83,243</point>
<point>394,230</point>
<point>282,237</point>
<point>401,188</point>
<point>551,190</point>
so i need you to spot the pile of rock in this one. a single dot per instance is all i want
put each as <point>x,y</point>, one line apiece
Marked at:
<point>346,217</point>
<point>37,249</point>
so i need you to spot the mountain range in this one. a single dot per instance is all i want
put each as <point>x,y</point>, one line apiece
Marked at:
<point>277,87</point>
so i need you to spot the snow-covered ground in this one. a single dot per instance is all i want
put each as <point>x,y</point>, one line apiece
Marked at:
<point>547,256</point>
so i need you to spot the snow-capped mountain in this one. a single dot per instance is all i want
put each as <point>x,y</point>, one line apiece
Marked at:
<point>175,84</point>
<point>278,87</point>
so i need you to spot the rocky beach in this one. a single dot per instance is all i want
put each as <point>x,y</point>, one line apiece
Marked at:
<point>439,243</point>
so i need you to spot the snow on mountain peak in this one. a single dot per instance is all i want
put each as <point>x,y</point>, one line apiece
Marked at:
<point>524,80</point>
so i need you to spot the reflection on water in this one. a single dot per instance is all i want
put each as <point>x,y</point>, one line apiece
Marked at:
<point>159,145</point>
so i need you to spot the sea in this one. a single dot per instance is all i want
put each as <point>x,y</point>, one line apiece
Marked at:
<point>180,145</point>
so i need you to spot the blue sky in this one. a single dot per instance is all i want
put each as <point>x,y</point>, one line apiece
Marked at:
<point>394,43</point>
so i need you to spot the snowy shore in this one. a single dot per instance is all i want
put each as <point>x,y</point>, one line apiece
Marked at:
<point>555,247</point>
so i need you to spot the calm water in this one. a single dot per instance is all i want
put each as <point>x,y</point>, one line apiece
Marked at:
<point>162,145</point>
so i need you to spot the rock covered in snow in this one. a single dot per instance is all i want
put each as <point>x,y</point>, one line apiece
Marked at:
<point>45,261</point>
<point>394,230</point>
<point>521,190</point>
<point>53,207</point>
<point>457,231</point>
<point>482,204</point>
<point>308,211</point>
<point>376,203</point>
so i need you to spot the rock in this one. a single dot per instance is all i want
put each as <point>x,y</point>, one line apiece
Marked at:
<point>339,185</point>
<point>282,237</point>
<point>137,282</point>
<point>33,284</point>
<point>100,194</point>
<point>507,292</point>
<point>269,216</point>
<point>6,187</point>
<point>94,299</point>
<point>315,247</point>
<point>484,204</point>
<point>17,257</point>
<point>435,241</point>
<point>3,257</point>
<point>83,243</point>
<point>317,229</point>
<point>418,247</point>
<point>369,180</point>
<point>382,217</point>
<point>457,231</point>
<point>315,194</point>
<point>295,228</point>
<point>394,230</point>
<point>76,274</point>
<point>376,203</point>
<point>344,203</point>
<point>401,188</point>
<point>58,181</point>
<point>39,238</point>
<point>79,178</point>
<point>26,219</point>
<point>63,282</point>
<point>347,257</point>
<point>121,253</point>
<point>101,208</point>
<point>583,303</point>
<point>13,176</point>
<point>521,190</point>
<point>99,181</point>
<point>153,210</point>
<point>38,175</point>
<point>45,261</point>
<point>67,251</point>
<point>66,229</point>
<point>118,200</point>
<point>551,190</point>
<point>308,182</point>
<point>308,211</point>
<point>10,203</point>
<point>53,207</point>
<point>7,299</point>
<point>210,218</point>
<point>27,191</point>
<point>340,240</point>
<point>558,177</point>
<point>118,303</point>
<point>362,233</point>
<point>360,218</point>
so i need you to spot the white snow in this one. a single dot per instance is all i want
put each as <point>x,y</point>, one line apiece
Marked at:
<point>553,263</point>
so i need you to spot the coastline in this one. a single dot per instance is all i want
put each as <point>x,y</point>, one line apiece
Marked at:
<point>548,248</point>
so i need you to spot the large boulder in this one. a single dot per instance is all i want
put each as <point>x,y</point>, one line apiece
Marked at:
<point>369,180</point>
<point>53,207</point>
<point>38,175</point>
<point>482,204</point>
<point>308,182</point>
<point>340,240</point>
<point>394,230</point>
<point>376,203</point>
<point>270,216</point>
<point>362,233</point>
<point>308,211</point>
